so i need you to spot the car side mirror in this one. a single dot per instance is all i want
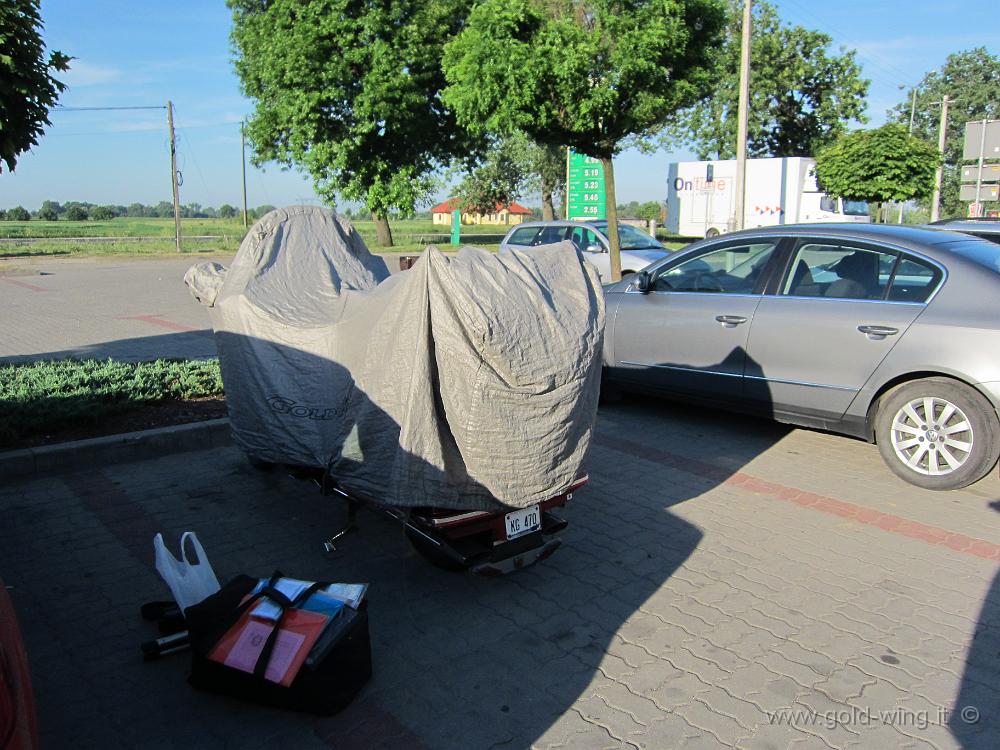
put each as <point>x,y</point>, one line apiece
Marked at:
<point>643,282</point>
<point>594,249</point>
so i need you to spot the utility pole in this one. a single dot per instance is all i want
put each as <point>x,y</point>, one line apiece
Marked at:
<point>979,174</point>
<point>173,176</point>
<point>243,148</point>
<point>743,113</point>
<point>942,133</point>
<point>913,109</point>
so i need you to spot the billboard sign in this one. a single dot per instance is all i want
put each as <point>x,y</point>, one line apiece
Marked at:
<point>974,138</point>
<point>991,173</point>
<point>986,193</point>
<point>585,197</point>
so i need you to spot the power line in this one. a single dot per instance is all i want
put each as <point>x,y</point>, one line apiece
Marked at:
<point>883,67</point>
<point>61,108</point>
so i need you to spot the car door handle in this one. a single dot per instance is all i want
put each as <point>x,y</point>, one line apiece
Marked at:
<point>878,332</point>
<point>730,321</point>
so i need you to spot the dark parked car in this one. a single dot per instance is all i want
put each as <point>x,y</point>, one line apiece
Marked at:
<point>987,229</point>
<point>887,333</point>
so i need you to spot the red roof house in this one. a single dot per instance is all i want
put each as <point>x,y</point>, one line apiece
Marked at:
<point>512,213</point>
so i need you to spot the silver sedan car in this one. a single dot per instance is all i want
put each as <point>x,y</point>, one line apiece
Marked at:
<point>637,250</point>
<point>886,333</point>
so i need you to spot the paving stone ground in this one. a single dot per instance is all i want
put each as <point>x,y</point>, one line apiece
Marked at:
<point>723,582</point>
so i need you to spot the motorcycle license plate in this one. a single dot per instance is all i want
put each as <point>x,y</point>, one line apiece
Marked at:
<point>521,522</point>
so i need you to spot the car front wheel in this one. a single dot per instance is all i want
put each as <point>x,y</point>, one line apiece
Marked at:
<point>938,434</point>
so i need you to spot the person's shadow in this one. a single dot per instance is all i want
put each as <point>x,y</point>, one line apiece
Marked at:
<point>975,717</point>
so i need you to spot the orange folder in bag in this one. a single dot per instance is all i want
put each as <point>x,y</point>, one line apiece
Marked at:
<point>242,644</point>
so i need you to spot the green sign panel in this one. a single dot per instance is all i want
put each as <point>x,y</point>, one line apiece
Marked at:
<point>585,188</point>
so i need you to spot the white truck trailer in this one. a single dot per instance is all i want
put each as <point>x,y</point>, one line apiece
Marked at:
<point>701,196</point>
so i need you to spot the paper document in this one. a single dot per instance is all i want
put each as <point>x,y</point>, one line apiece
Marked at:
<point>248,646</point>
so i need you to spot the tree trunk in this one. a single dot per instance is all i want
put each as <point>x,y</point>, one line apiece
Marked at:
<point>548,208</point>
<point>383,233</point>
<point>609,199</point>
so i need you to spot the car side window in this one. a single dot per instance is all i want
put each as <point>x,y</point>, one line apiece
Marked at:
<point>837,270</point>
<point>733,269</point>
<point>913,281</point>
<point>523,236</point>
<point>550,235</point>
<point>584,238</point>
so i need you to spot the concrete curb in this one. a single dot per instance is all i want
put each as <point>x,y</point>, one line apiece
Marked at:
<point>112,449</point>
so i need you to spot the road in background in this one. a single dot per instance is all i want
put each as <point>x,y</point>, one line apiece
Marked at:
<point>124,308</point>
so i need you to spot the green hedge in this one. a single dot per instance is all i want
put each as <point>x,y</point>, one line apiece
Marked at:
<point>39,397</point>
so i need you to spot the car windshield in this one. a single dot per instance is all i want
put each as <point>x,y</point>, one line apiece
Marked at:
<point>979,251</point>
<point>855,208</point>
<point>631,238</point>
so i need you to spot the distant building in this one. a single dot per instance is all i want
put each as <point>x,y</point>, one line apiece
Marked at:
<point>512,213</point>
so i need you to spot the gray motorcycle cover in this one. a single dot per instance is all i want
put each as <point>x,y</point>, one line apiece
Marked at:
<point>466,382</point>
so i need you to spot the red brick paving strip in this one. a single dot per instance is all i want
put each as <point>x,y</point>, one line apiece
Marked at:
<point>156,320</point>
<point>24,284</point>
<point>119,514</point>
<point>966,545</point>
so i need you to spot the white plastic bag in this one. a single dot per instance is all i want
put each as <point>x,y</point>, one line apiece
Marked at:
<point>190,583</point>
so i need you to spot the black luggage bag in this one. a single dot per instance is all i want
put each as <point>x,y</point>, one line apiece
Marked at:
<point>337,668</point>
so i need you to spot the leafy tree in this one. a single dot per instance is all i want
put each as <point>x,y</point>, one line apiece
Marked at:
<point>499,178</point>
<point>802,97</point>
<point>76,212</point>
<point>650,211</point>
<point>359,213</point>
<point>549,164</point>
<point>164,210</point>
<point>52,206</point>
<point>585,76</point>
<point>350,92</point>
<point>46,213</point>
<point>27,88</point>
<point>227,212</point>
<point>884,164</point>
<point>102,213</point>
<point>512,167</point>
<point>136,210</point>
<point>971,81</point>
<point>18,213</point>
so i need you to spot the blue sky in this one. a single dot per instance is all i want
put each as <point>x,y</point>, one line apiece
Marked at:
<point>141,53</point>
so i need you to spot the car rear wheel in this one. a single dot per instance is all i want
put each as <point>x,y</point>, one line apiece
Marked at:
<point>712,232</point>
<point>938,434</point>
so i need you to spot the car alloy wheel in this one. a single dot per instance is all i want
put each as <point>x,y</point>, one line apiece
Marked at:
<point>932,436</point>
<point>937,433</point>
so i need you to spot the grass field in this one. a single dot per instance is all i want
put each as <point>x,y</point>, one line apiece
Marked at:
<point>139,237</point>
<point>128,236</point>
